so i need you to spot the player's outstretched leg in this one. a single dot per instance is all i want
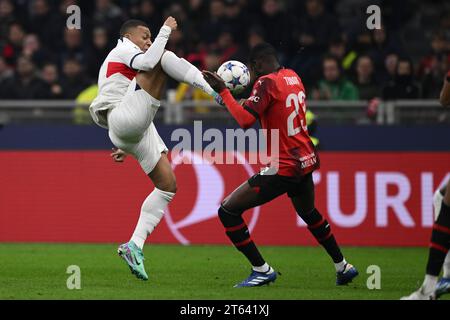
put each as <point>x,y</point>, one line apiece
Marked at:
<point>183,71</point>
<point>131,120</point>
<point>152,212</point>
<point>439,248</point>
<point>321,230</point>
<point>230,214</point>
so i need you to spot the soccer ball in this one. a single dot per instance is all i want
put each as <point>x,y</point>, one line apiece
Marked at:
<point>235,74</point>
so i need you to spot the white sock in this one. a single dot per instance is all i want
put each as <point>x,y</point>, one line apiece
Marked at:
<point>265,268</point>
<point>429,284</point>
<point>152,212</point>
<point>183,71</point>
<point>437,203</point>
<point>446,266</point>
<point>340,266</point>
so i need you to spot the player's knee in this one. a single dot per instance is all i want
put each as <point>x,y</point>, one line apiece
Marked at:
<point>168,185</point>
<point>228,217</point>
<point>228,205</point>
<point>172,186</point>
<point>222,213</point>
<point>225,201</point>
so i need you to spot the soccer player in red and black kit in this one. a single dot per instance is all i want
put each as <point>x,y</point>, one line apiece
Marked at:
<point>439,252</point>
<point>278,102</point>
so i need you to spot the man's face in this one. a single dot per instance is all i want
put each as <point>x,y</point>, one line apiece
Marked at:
<point>337,49</point>
<point>255,70</point>
<point>254,39</point>
<point>216,9</point>
<point>330,70</point>
<point>391,63</point>
<point>25,67</point>
<point>225,40</point>
<point>31,42</point>
<point>100,38</point>
<point>3,66</point>
<point>6,8</point>
<point>364,67</point>
<point>72,69</point>
<point>379,35</point>
<point>404,68</point>
<point>40,7</point>
<point>314,7</point>
<point>270,7</point>
<point>50,73</point>
<point>72,38</point>
<point>212,62</point>
<point>102,4</point>
<point>16,34</point>
<point>141,37</point>
<point>438,44</point>
<point>147,8</point>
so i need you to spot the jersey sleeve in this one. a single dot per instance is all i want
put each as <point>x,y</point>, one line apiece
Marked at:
<point>243,118</point>
<point>138,60</point>
<point>261,98</point>
<point>128,54</point>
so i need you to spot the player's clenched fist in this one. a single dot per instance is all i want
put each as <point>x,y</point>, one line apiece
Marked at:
<point>118,155</point>
<point>171,22</point>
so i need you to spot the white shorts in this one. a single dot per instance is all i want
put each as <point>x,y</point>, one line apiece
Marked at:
<point>131,128</point>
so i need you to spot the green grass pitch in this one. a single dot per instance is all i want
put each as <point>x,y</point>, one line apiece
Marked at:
<point>38,271</point>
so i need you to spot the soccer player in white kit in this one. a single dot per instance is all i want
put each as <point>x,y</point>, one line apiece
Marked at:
<point>131,81</point>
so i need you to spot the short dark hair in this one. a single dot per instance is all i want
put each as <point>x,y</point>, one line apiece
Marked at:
<point>130,24</point>
<point>330,57</point>
<point>367,56</point>
<point>263,51</point>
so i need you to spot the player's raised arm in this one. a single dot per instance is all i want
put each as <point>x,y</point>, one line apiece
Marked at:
<point>147,60</point>
<point>445,93</point>
<point>244,118</point>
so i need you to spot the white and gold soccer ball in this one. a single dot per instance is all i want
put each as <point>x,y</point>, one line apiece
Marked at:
<point>235,74</point>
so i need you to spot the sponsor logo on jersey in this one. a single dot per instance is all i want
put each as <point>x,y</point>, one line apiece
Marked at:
<point>308,160</point>
<point>254,99</point>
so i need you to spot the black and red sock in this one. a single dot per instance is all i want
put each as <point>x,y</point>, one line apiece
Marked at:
<point>237,231</point>
<point>321,230</point>
<point>440,241</point>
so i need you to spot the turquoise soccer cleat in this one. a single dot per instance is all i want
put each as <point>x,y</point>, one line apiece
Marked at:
<point>134,258</point>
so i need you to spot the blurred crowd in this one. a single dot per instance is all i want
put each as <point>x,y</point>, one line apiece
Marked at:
<point>325,41</point>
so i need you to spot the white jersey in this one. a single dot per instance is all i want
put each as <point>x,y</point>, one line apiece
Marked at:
<point>120,68</point>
